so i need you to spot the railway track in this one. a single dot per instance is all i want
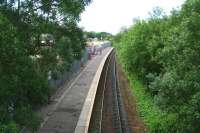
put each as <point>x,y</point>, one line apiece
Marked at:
<point>109,115</point>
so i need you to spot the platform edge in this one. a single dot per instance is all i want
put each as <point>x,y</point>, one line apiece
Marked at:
<point>86,113</point>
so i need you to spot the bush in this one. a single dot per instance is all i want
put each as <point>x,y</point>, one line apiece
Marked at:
<point>9,128</point>
<point>25,116</point>
<point>164,53</point>
<point>156,120</point>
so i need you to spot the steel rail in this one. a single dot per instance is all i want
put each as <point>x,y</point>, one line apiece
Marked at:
<point>123,114</point>
<point>103,94</point>
<point>117,120</point>
<point>119,115</point>
<point>117,101</point>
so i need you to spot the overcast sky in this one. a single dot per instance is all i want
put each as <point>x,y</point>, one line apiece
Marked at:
<point>111,15</point>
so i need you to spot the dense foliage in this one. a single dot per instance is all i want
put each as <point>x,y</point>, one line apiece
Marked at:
<point>164,52</point>
<point>36,37</point>
<point>155,119</point>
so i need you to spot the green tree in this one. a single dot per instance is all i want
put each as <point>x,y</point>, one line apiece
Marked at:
<point>164,52</point>
<point>33,34</point>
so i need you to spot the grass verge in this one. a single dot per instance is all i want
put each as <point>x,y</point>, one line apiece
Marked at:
<point>156,120</point>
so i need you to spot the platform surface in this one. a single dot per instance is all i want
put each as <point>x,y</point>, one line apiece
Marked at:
<point>67,109</point>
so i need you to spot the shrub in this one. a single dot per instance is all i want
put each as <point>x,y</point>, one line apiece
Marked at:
<point>164,53</point>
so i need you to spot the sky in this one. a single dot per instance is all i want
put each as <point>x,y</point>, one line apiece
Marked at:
<point>111,15</point>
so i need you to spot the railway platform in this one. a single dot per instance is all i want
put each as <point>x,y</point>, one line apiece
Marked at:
<point>63,114</point>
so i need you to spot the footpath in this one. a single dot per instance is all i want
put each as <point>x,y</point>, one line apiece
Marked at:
<point>62,115</point>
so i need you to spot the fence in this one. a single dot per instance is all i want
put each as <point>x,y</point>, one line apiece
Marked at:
<point>75,67</point>
<point>68,74</point>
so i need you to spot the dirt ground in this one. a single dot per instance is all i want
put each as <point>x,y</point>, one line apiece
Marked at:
<point>135,123</point>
